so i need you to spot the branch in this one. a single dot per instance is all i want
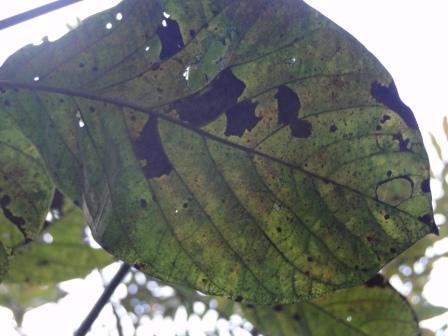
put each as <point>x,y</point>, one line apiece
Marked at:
<point>33,13</point>
<point>108,291</point>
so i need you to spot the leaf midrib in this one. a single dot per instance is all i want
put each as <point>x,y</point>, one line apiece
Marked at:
<point>121,104</point>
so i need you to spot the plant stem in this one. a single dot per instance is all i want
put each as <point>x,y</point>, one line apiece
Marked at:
<point>104,298</point>
<point>33,13</point>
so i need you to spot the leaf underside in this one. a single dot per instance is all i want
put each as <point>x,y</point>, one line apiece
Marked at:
<point>251,149</point>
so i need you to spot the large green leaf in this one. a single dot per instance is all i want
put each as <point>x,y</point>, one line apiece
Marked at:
<point>61,254</point>
<point>372,309</point>
<point>245,148</point>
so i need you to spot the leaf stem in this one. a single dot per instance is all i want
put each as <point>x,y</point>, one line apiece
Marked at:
<point>104,298</point>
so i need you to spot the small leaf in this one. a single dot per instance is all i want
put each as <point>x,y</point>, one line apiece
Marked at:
<point>374,309</point>
<point>437,147</point>
<point>260,152</point>
<point>60,254</point>
<point>25,188</point>
<point>22,297</point>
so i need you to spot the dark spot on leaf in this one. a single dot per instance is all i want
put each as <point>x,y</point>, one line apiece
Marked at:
<point>356,267</point>
<point>388,96</point>
<point>91,109</point>
<point>279,229</point>
<point>403,144</point>
<point>301,128</point>
<point>250,306</point>
<point>392,250</point>
<point>58,202</point>
<point>428,219</point>
<point>386,216</point>
<point>288,105</point>
<point>81,65</point>
<point>155,66</point>
<point>425,186</point>
<point>278,308</point>
<point>192,33</point>
<point>95,69</point>
<point>376,281</point>
<point>385,118</point>
<point>333,128</point>
<point>239,298</point>
<point>170,38</point>
<point>296,317</point>
<point>43,262</point>
<point>139,266</point>
<point>206,105</point>
<point>148,147</point>
<point>143,203</point>
<point>241,117</point>
<point>185,205</point>
<point>19,222</point>
<point>310,259</point>
<point>389,173</point>
<point>378,128</point>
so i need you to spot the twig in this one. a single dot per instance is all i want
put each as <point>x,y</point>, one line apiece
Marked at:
<point>108,291</point>
<point>33,13</point>
<point>117,316</point>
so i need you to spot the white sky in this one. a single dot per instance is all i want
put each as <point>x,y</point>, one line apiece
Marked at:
<point>408,36</point>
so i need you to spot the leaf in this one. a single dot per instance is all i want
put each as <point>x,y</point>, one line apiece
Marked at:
<point>25,188</point>
<point>372,309</point>
<point>61,253</point>
<point>436,146</point>
<point>22,297</point>
<point>251,149</point>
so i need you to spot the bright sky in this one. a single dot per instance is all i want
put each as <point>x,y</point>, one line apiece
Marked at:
<point>408,36</point>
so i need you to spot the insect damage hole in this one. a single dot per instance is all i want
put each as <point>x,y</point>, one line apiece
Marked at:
<point>395,191</point>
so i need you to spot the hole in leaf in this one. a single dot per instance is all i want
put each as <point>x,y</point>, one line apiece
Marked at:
<point>109,25</point>
<point>206,105</point>
<point>288,104</point>
<point>170,38</point>
<point>241,117</point>
<point>394,191</point>
<point>388,96</point>
<point>148,147</point>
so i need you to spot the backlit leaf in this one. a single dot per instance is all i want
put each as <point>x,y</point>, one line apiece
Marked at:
<point>368,310</point>
<point>25,188</point>
<point>251,149</point>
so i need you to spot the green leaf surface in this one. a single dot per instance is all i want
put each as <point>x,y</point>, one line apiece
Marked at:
<point>367,310</point>
<point>251,149</point>
<point>3,261</point>
<point>61,254</point>
<point>25,188</point>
